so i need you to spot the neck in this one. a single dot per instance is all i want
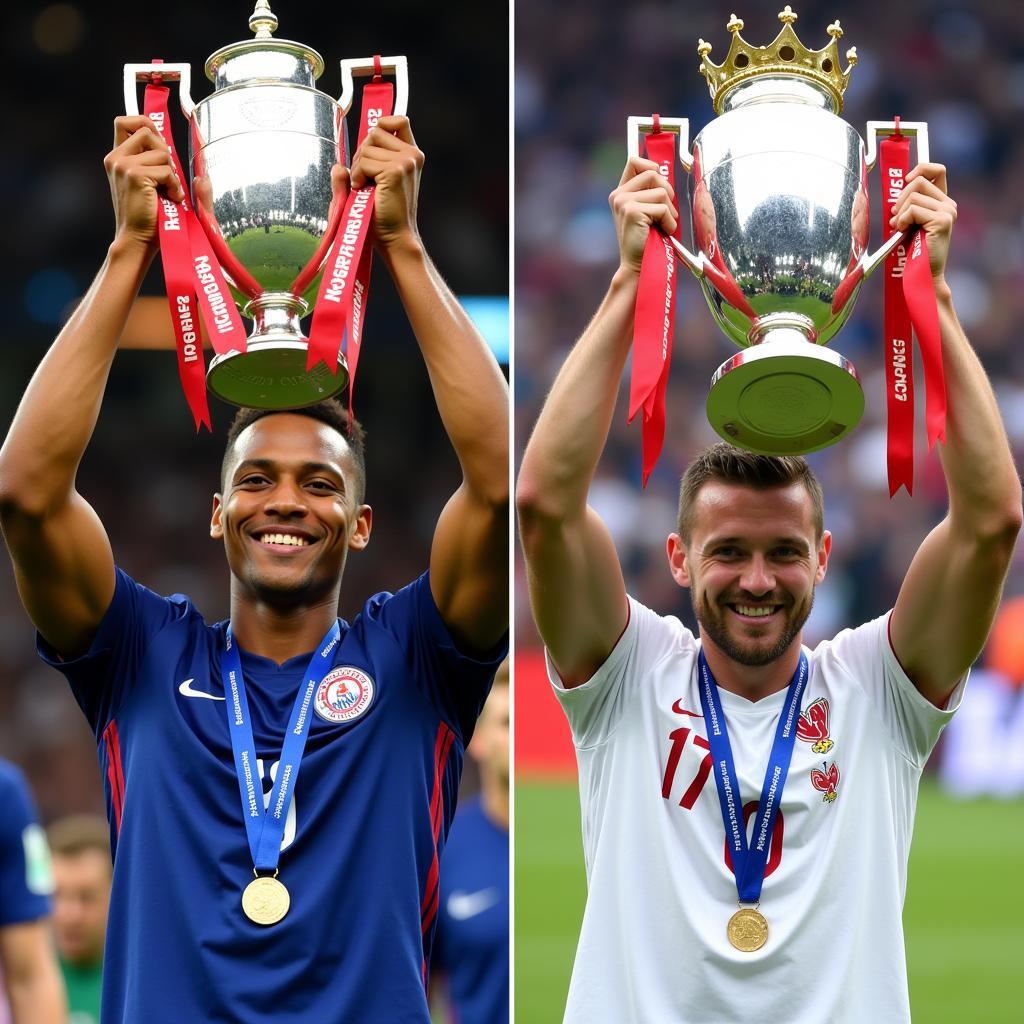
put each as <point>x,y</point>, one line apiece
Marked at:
<point>494,799</point>
<point>754,682</point>
<point>280,633</point>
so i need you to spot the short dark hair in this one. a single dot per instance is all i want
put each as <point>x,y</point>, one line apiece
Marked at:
<point>329,411</point>
<point>732,465</point>
<point>73,835</point>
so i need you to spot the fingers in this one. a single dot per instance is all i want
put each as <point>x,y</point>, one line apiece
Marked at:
<point>127,126</point>
<point>397,125</point>
<point>634,166</point>
<point>372,161</point>
<point>647,178</point>
<point>923,201</point>
<point>935,173</point>
<point>648,211</point>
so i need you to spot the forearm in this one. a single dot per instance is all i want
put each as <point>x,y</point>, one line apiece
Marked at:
<point>58,412</point>
<point>470,391</point>
<point>34,985</point>
<point>565,447</point>
<point>984,488</point>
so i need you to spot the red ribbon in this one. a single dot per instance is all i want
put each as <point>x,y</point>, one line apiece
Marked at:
<point>341,301</point>
<point>909,301</point>
<point>193,278</point>
<point>654,317</point>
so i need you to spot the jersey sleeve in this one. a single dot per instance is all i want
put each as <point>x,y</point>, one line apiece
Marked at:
<point>102,678</point>
<point>911,720</point>
<point>595,707</point>
<point>455,682</point>
<point>26,880</point>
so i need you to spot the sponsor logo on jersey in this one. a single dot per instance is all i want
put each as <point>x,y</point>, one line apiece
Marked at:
<point>186,690</point>
<point>813,726</point>
<point>344,694</point>
<point>680,710</point>
<point>464,905</point>
<point>826,782</point>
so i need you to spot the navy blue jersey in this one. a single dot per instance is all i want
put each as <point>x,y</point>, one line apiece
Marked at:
<point>366,825</point>
<point>25,877</point>
<point>472,930</point>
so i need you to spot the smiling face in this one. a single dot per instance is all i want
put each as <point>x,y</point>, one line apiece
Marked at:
<point>290,511</point>
<point>752,563</point>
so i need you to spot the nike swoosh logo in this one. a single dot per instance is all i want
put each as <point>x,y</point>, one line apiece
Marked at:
<point>463,905</point>
<point>186,690</point>
<point>680,710</point>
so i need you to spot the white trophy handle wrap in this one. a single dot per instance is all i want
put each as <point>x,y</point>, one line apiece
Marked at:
<point>135,73</point>
<point>637,126</point>
<point>363,67</point>
<point>918,130</point>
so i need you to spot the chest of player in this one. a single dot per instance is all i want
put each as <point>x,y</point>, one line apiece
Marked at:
<point>837,768</point>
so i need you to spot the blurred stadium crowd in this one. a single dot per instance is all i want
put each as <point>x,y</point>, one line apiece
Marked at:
<point>581,68</point>
<point>149,477</point>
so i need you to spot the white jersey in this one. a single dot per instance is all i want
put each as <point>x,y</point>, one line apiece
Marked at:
<point>653,947</point>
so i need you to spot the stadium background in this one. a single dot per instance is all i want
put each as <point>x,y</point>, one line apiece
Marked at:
<point>146,472</point>
<point>581,67</point>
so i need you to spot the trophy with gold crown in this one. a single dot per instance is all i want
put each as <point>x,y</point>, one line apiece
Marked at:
<point>779,218</point>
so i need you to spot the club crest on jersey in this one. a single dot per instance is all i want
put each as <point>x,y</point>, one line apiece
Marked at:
<point>344,694</point>
<point>813,726</point>
<point>826,782</point>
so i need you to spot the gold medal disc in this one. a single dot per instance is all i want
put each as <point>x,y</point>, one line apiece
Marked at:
<point>748,930</point>
<point>265,900</point>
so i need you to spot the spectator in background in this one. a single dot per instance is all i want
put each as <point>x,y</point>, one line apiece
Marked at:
<point>471,948</point>
<point>29,967</point>
<point>80,847</point>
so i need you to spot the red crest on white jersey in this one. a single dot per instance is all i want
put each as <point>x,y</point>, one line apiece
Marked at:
<point>813,726</point>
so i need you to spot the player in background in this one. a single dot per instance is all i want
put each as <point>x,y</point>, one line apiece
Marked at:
<point>28,967</point>
<point>472,947</point>
<point>80,848</point>
<point>823,939</point>
<point>193,722</point>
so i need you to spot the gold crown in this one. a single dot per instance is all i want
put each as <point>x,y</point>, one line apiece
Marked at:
<point>785,55</point>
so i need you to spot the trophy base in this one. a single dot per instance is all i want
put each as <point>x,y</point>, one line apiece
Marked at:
<point>785,397</point>
<point>271,374</point>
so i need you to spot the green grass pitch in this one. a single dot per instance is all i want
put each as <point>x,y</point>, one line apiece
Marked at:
<point>964,916</point>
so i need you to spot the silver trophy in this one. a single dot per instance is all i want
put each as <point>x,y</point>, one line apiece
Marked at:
<point>779,218</point>
<point>261,151</point>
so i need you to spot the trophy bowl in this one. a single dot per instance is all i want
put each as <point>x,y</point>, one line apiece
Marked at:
<point>263,146</point>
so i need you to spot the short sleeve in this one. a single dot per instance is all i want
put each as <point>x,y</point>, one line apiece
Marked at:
<point>26,879</point>
<point>911,720</point>
<point>456,683</point>
<point>101,679</point>
<point>595,707</point>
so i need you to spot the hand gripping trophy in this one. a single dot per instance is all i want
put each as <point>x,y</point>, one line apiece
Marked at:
<point>265,215</point>
<point>779,216</point>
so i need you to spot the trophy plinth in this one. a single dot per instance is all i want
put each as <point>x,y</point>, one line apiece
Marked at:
<point>785,396</point>
<point>272,372</point>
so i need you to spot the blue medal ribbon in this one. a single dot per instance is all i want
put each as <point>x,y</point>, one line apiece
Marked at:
<point>748,861</point>
<point>265,827</point>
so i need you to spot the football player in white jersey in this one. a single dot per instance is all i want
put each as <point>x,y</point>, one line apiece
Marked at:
<point>657,943</point>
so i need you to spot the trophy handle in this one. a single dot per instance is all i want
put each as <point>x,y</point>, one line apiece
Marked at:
<point>180,73</point>
<point>398,66</point>
<point>637,126</point>
<point>870,262</point>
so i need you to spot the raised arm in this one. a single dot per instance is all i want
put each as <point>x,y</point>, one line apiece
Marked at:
<point>951,592</point>
<point>62,558</point>
<point>469,555</point>
<point>34,985</point>
<point>576,587</point>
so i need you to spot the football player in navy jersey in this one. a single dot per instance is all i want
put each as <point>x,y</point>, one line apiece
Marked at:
<point>472,931</point>
<point>339,866</point>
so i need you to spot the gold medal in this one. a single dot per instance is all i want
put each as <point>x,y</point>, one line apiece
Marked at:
<point>265,900</point>
<point>748,930</point>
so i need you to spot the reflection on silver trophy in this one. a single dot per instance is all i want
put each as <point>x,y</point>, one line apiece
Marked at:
<point>261,151</point>
<point>779,217</point>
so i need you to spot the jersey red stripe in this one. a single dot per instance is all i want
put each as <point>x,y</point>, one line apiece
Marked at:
<point>114,774</point>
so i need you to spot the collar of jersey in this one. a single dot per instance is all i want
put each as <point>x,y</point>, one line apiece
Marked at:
<point>770,705</point>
